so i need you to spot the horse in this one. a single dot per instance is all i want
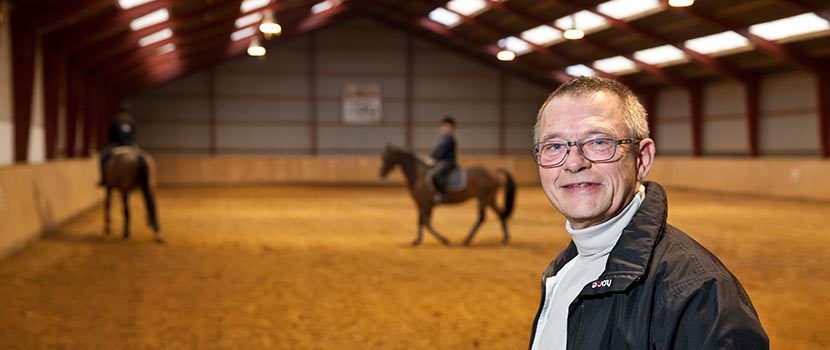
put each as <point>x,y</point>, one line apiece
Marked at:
<point>129,168</point>
<point>482,184</point>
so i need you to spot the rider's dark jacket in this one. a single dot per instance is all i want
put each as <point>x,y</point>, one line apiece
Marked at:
<point>660,290</point>
<point>445,151</point>
<point>122,133</point>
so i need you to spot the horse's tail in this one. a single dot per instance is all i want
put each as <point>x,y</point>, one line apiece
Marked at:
<point>144,177</point>
<point>509,194</point>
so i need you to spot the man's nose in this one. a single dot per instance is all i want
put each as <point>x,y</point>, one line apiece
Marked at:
<point>574,161</point>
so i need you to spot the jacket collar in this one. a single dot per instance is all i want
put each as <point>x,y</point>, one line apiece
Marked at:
<point>630,258</point>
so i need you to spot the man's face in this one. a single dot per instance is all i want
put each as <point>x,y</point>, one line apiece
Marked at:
<point>588,193</point>
<point>446,129</point>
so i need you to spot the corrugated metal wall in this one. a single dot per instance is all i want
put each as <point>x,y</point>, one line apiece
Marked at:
<point>263,106</point>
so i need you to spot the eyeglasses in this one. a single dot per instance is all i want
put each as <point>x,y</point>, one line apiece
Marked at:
<point>593,148</point>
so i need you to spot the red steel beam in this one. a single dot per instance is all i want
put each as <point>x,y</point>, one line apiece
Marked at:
<point>650,105</point>
<point>546,83</point>
<point>705,60</point>
<point>410,89</point>
<point>23,70</point>
<point>823,94</point>
<point>542,50</point>
<point>820,10</point>
<point>696,119</point>
<point>753,107</point>
<point>655,71</point>
<point>502,112</point>
<point>312,94</point>
<point>773,49</point>
<point>51,97</point>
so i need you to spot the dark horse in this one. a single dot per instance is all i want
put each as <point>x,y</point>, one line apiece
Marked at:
<point>482,184</point>
<point>129,168</point>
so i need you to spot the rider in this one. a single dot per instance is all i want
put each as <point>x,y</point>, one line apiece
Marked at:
<point>121,133</point>
<point>444,158</point>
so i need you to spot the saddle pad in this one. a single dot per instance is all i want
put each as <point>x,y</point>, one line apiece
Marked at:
<point>456,180</point>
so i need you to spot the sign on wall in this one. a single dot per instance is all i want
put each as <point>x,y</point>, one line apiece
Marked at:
<point>361,103</point>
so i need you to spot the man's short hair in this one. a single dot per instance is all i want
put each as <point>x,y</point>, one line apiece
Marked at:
<point>633,113</point>
<point>448,120</point>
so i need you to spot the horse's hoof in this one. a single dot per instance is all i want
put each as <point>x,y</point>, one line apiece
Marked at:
<point>466,243</point>
<point>159,240</point>
<point>415,243</point>
<point>504,242</point>
<point>446,242</point>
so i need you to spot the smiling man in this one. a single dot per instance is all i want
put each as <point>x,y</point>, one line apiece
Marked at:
<point>628,280</point>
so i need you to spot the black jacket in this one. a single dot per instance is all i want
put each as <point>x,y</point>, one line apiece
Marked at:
<point>122,133</point>
<point>445,151</point>
<point>660,290</point>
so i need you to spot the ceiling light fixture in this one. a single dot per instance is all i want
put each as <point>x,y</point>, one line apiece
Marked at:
<point>255,48</point>
<point>504,54</point>
<point>681,3</point>
<point>269,25</point>
<point>574,33</point>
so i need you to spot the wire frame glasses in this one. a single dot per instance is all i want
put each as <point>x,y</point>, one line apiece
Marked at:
<point>593,148</point>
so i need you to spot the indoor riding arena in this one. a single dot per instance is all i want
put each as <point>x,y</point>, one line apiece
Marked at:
<point>257,214</point>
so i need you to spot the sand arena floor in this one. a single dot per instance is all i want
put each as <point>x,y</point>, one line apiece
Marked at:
<point>331,268</point>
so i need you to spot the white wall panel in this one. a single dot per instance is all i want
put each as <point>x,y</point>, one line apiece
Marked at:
<point>168,136</point>
<point>262,136</point>
<point>261,109</point>
<point>457,86</point>
<point>191,84</point>
<point>360,62</point>
<point>725,136</point>
<point>332,85</point>
<point>254,84</point>
<point>369,139</point>
<point>674,138</point>
<point>792,133</point>
<point>169,107</point>
<point>433,112</point>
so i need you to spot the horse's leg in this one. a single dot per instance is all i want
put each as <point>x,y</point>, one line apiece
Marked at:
<point>107,211</point>
<point>124,199</point>
<point>421,216</point>
<point>427,219</point>
<point>150,204</point>
<point>506,237</point>
<point>481,215</point>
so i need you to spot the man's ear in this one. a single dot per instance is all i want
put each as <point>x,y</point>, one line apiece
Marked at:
<point>645,157</point>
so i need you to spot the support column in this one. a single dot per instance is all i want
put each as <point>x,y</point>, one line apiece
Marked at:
<point>696,118</point>
<point>312,93</point>
<point>73,98</point>
<point>751,98</point>
<point>409,90</point>
<point>23,71</point>
<point>51,96</point>
<point>823,106</point>
<point>502,112</point>
<point>212,108</point>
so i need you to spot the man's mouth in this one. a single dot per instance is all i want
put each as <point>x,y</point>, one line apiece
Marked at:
<point>581,185</point>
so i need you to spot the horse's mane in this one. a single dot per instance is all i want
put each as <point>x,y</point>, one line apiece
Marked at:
<point>407,154</point>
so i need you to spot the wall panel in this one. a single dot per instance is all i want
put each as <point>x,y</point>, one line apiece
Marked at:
<point>6,98</point>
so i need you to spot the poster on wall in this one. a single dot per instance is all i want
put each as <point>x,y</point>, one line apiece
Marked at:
<point>361,104</point>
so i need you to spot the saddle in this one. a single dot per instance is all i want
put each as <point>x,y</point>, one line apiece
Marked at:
<point>456,180</point>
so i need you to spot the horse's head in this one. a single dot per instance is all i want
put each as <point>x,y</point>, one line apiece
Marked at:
<point>390,159</point>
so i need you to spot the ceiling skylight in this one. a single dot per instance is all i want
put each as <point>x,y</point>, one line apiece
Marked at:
<point>615,64</point>
<point>169,47</point>
<point>515,44</point>
<point>585,20</point>
<point>622,9</point>
<point>660,54</point>
<point>542,35</point>
<point>579,69</point>
<point>250,5</point>
<point>149,19</point>
<point>128,4</point>
<point>245,21</point>
<point>321,6</point>
<point>790,26</point>
<point>717,42</point>
<point>243,33</point>
<point>444,17</point>
<point>160,35</point>
<point>467,7</point>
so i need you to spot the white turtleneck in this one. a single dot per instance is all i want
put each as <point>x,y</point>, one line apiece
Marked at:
<point>593,245</point>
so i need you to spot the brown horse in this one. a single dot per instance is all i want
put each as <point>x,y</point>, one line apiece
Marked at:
<point>482,184</point>
<point>127,169</point>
